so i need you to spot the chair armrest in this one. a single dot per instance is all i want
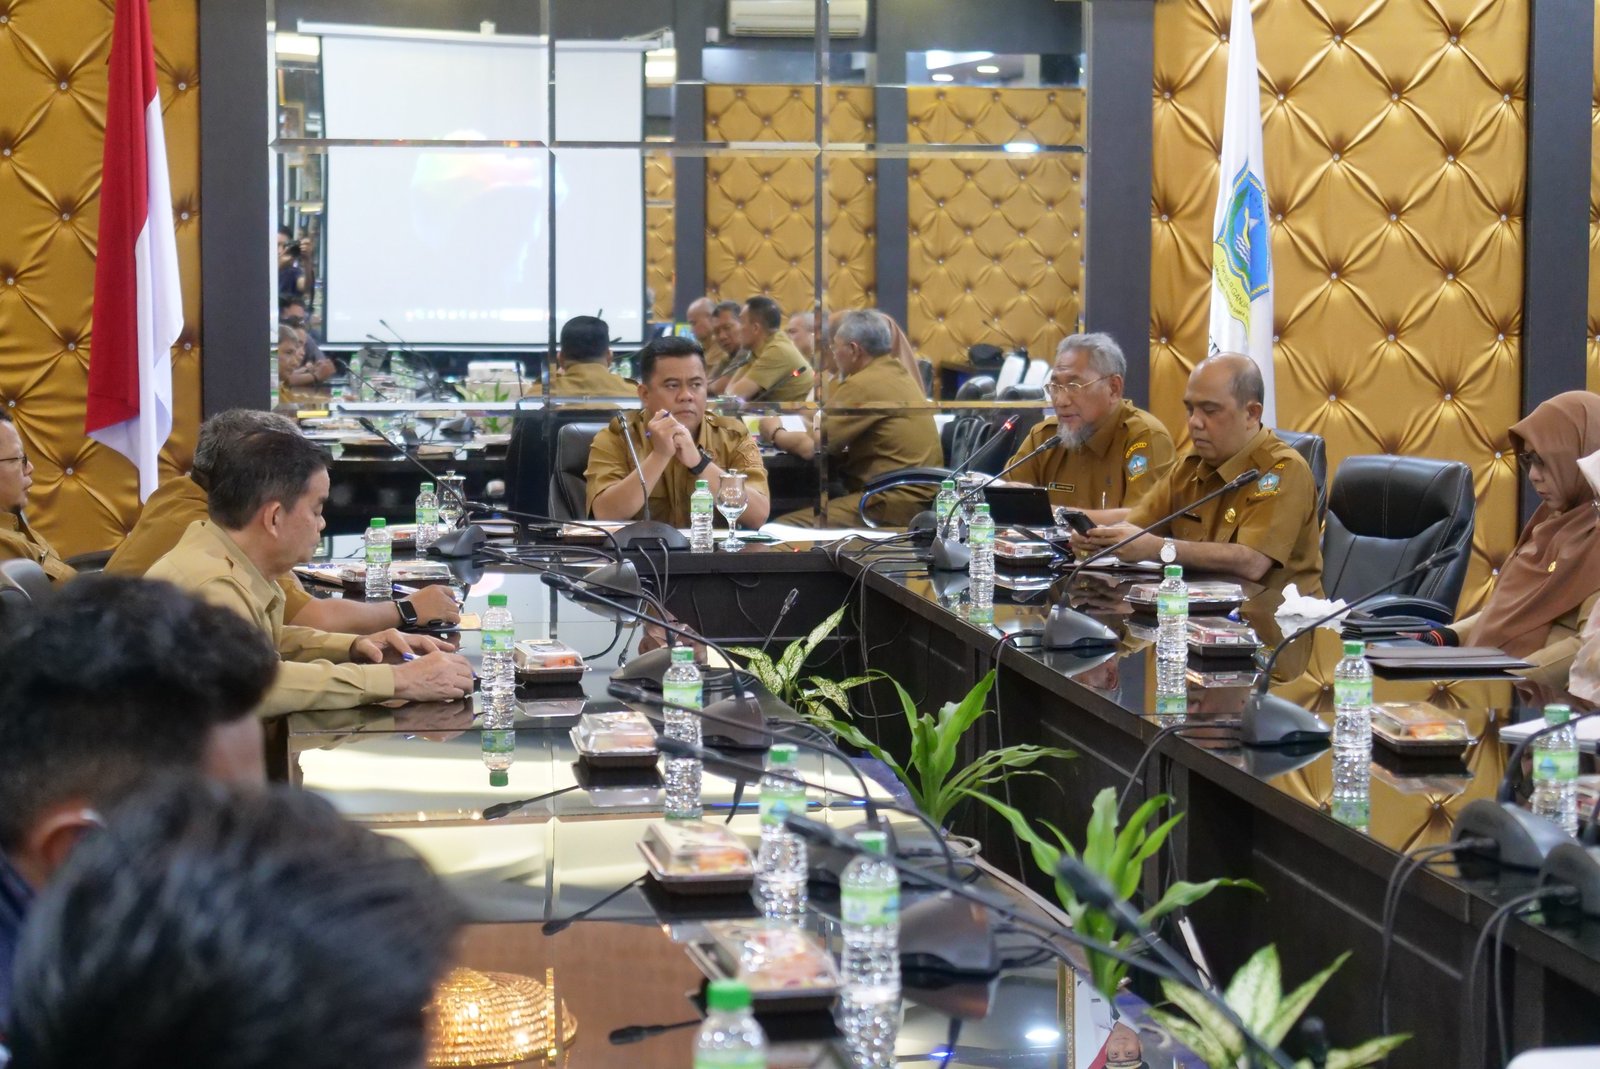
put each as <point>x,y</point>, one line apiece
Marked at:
<point>1400,605</point>
<point>891,479</point>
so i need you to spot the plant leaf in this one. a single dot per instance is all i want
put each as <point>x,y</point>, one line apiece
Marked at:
<point>1208,1018</point>
<point>1100,839</point>
<point>760,666</point>
<point>1190,1035</point>
<point>1256,988</point>
<point>1181,893</point>
<point>1290,1009</point>
<point>822,631</point>
<point>955,722</point>
<point>1371,1052</point>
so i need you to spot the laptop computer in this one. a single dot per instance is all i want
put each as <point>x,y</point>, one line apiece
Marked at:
<point>1025,505</point>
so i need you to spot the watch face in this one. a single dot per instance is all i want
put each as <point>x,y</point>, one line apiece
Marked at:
<point>1169,552</point>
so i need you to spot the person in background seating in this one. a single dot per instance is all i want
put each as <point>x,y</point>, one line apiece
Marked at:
<point>18,540</point>
<point>776,371</point>
<point>584,362</point>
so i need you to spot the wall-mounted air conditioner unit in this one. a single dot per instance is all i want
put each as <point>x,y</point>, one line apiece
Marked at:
<point>795,18</point>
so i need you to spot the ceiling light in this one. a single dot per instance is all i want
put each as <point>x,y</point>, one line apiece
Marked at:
<point>1042,1035</point>
<point>988,68</point>
<point>944,77</point>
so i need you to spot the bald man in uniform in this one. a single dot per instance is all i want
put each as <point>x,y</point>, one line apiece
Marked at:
<point>701,318</point>
<point>1266,531</point>
<point>1112,453</point>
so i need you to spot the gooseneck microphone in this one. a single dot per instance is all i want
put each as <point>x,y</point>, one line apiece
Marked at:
<point>1269,720</point>
<point>951,555</point>
<point>350,371</point>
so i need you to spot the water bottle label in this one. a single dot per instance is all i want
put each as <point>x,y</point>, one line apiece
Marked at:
<point>1350,692</point>
<point>870,907</point>
<point>499,641</point>
<point>1174,704</point>
<point>786,801</point>
<point>499,741</point>
<point>428,516</point>
<point>979,535</point>
<point>1559,767</point>
<point>1173,603</point>
<point>730,1059</point>
<point>379,554</point>
<point>684,694</point>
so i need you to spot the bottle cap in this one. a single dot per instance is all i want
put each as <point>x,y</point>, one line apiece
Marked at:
<point>727,996</point>
<point>948,484</point>
<point>497,601</point>
<point>983,510</point>
<point>378,521</point>
<point>701,484</point>
<point>683,655</point>
<point>1557,714</point>
<point>873,841</point>
<point>499,777</point>
<point>1355,648</point>
<point>1173,571</point>
<point>782,753</point>
<point>426,488</point>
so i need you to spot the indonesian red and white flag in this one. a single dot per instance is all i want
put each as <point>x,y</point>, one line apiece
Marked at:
<point>138,301</point>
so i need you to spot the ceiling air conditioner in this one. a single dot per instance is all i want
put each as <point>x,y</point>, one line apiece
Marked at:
<point>795,18</point>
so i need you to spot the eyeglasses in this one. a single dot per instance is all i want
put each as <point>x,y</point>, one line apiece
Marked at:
<point>20,457</point>
<point>1070,389</point>
<point>1530,460</point>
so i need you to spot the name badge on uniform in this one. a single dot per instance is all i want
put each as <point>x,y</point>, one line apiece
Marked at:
<point>1065,488</point>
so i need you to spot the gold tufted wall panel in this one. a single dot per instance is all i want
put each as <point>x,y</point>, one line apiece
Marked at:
<point>760,211</point>
<point>1396,145</point>
<point>52,119</point>
<point>659,236</point>
<point>995,250</point>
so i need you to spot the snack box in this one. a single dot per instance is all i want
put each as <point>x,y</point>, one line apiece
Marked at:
<point>1205,596</point>
<point>622,739</point>
<point>1220,637</point>
<point>694,857</point>
<point>546,660</point>
<point>1418,727</point>
<point>785,967</point>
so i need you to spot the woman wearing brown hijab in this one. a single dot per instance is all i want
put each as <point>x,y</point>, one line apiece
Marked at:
<point>1549,583</point>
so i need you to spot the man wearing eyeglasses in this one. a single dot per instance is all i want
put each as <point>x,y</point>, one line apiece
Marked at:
<point>18,541</point>
<point>1111,453</point>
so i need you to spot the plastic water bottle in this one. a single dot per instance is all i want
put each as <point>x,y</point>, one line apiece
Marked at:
<point>1352,789</point>
<point>499,750</point>
<point>380,550</point>
<point>969,491</point>
<point>1172,646</point>
<point>729,1038</point>
<point>1352,701</point>
<point>869,918</point>
<point>1555,770</point>
<point>427,517</point>
<point>781,861</point>
<point>701,510</point>
<point>498,669</point>
<point>944,509</point>
<point>870,1028</point>
<point>980,540</point>
<point>680,685</point>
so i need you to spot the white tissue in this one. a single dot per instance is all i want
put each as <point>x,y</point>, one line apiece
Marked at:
<point>1298,606</point>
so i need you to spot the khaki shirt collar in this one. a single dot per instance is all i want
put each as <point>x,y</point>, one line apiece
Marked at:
<point>261,590</point>
<point>1099,442</point>
<point>13,521</point>
<point>1239,463</point>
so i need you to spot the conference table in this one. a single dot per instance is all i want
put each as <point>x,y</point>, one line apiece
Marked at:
<point>1263,815</point>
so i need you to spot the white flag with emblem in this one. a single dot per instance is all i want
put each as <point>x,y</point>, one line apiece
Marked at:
<point>1241,252</point>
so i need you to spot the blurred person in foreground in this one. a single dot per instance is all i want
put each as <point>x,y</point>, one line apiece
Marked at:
<point>112,683</point>
<point>232,930</point>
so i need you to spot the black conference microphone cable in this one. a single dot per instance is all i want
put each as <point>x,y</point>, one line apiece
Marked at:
<point>1001,433</point>
<point>344,365</point>
<point>947,552</point>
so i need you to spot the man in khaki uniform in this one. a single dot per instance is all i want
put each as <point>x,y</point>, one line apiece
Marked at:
<point>583,362</point>
<point>266,500</point>
<point>725,356</point>
<point>677,442</point>
<point>19,541</point>
<point>864,444</point>
<point>1112,453</point>
<point>776,371</point>
<point>179,502</point>
<point>700,317</point>
<point>1267,531</point>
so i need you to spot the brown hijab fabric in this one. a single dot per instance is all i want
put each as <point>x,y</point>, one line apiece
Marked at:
<point>1556,564</point>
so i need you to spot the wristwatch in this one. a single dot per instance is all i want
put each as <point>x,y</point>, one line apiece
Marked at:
<point>1169,551</point>
<point>705,462</point>
<point>408,615</point>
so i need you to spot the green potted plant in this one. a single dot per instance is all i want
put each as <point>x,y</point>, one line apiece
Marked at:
<point>929,771</point>
<point>1256,994</point>
<point>817,698</point>
<point>1118,855</point>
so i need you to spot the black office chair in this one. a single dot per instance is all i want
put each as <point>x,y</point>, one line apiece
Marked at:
<point>977,388</point>
<point>568,490</point>
<point>93,561</point>
<point>1387,514</point>
<point>23,585</point>
<point>1021,392</point>
<point>1313,449</point>
<point>925,370</point>
<point>961,437</point>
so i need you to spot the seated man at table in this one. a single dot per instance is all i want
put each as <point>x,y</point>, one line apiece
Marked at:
<point>802,331</point>
<point>864,444</point>
<point>112,683</point>
<point>776,371</point>
<point>701,316</point>
<point>1111,453</point>
<point>727,333</point>
<point>295,366</point>
<point>19,541</point>
<point>1266,532</point>
<point>233,930</point>
<point>181,501</point>
<point>676,440</point>
<point>265,506</point>
<point>583,362</point>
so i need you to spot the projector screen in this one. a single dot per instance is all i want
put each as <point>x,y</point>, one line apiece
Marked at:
<point>452,245</point>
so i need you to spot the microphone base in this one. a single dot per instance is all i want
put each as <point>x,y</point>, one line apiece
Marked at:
<point>1068,629</point>
<point>1574,865</point>
<point>622,577</point>
<point>646,668</point>
<point>1525,838</point>
<point>459,543</point>
<point>1269,720</point>
<point>653,533</point>
<point>751,735</point>
<point>949,555</point>
<point>947,935</point>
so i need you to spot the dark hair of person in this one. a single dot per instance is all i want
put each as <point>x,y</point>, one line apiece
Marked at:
<point>289,300</point>
<point>286,232</point>
<point>264,467</point>
<point>114,680</point>
<point>732,308</point>
<point>585,339</point>
<point>223,429</point>
<point>669,346</point>
<point>231,929</point>
<point>765,311</point>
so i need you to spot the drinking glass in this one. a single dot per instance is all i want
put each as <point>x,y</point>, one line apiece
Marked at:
<point>452,493</point>
<point>731,502</point>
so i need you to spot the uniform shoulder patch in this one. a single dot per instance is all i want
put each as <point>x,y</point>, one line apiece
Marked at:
<point>1138,464</point>
<point>1135,447</point>
<point>1267,485</point>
